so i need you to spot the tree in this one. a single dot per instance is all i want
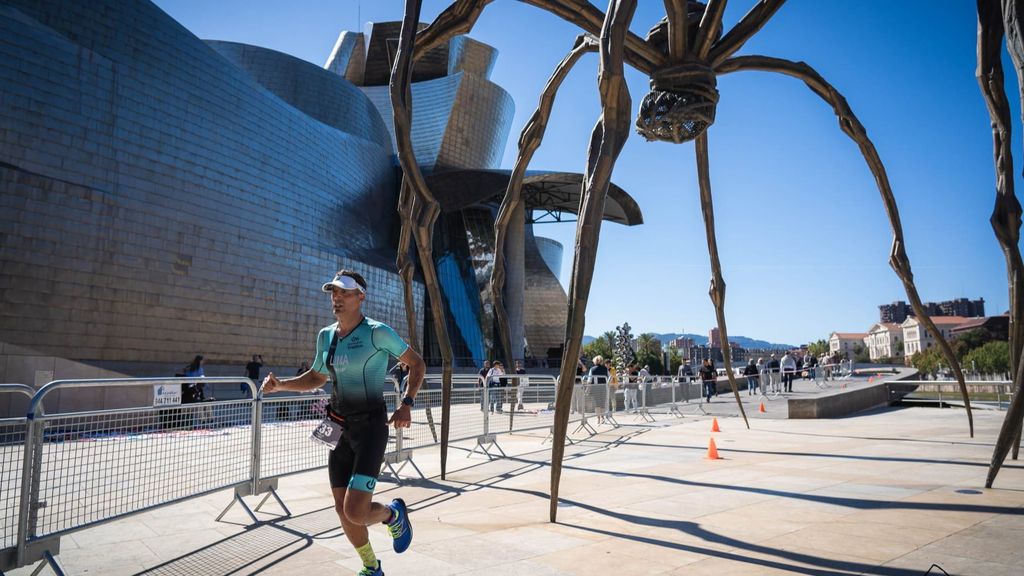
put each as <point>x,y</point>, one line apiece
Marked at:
<point>818,348</point>
<point>646,343</point>
<point>648,352</point>
<point>861,354</point>
<point>927,361</point>
<point>598,347</point>
<point>991,358</point>
<point>609,337</point>
<point>965,343</point>
<point>674,361</point>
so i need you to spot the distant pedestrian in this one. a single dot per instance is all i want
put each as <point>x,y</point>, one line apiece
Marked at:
<point>685,373</point>
<point>483,372</point>
<point>521,384</point>
<point>494,384</point>
<point>630,385</point>
<point>613,383</point>
<point>194,392</point>
<point>252,369</point>
<point>788,365</point>
<point>709,378</point>
<point>482,383</point>
<point>812,367</point>
<point>774,374</point>
<point>750,371</point>
<point>252,372</point>
<point>595,386</point>
<point>643,377</point>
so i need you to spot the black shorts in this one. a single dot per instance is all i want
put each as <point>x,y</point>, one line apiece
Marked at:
<point>355,463</point>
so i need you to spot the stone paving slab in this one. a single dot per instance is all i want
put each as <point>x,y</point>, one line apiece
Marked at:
<point>889,492</point>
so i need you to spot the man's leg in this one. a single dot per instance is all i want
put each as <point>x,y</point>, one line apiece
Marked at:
<point>360,510</point>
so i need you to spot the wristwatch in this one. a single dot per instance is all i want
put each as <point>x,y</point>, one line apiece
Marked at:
<point>408,401</point>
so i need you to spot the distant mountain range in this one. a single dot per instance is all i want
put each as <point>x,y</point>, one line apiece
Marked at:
<point>703,340</point>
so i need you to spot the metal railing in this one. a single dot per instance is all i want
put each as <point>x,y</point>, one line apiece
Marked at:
<point>947,391</point>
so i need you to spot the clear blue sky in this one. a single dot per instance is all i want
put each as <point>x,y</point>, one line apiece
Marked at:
<point>802,232</point>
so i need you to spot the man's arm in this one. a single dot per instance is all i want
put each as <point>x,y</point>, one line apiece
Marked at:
<point>308,380</point>
<point>402,417</point>
<point>417,369</point>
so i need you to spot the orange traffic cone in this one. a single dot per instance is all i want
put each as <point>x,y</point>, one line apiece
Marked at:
<point>761,408</point>
<point>713,451</point>
<point>714,425</point>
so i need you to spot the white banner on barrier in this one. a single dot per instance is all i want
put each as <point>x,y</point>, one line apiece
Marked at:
<point>166,394</point>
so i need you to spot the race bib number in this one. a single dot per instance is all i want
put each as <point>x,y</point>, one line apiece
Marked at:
<point>327,433</point>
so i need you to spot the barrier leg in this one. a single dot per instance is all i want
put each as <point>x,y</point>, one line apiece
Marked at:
<point>273,492</point>
<point>483,442</point>
<point>238,499</point>
<point>51,561</point>
<point>395,471</point>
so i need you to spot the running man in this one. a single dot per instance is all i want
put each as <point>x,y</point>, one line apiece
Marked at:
<point>353,354</point>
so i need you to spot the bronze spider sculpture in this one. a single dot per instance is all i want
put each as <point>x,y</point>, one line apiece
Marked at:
<point>995,21</point>
<point>682,55</point>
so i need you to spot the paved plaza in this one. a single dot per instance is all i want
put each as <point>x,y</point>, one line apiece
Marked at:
<point>889,492</point>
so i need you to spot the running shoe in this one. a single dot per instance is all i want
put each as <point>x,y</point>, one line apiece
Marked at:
<point>367,571</point>
<point>400,528</point>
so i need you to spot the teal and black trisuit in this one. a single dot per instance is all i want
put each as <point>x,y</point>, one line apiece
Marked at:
<point>357,365</point>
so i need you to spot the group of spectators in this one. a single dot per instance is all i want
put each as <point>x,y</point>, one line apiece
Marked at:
<point>493,376</point>
<point>774,373</point>
<point>601,371</point>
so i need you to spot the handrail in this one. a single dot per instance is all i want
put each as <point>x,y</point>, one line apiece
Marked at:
<point>37,398</point>
<point>967,383</point>
<point>23,388</point>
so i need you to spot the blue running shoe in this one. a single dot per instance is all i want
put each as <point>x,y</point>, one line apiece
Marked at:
<point>400,528</point>
<point>367,571</point>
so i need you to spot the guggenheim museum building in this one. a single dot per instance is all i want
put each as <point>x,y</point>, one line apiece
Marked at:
<point>165,196</point>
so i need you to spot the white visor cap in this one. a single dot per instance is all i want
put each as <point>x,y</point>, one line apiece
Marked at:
<point>343,282</point>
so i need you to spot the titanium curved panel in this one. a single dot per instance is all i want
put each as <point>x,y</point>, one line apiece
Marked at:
<point>551,253</point>
<point>545,316</point>
<point>319,93</point>
<point>158,203</point>
<point>348,58</point>
<point>458,121</point>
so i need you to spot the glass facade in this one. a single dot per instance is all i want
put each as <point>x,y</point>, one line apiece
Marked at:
<point>464,257</point>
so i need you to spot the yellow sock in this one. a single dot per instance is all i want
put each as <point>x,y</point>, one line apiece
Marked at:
<point>367,556</point>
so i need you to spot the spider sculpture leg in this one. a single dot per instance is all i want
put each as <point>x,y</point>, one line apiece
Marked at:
<point>406,266</point>
<point>425,209</point>
<point>852,127</point>
<point>529,141</point>
<point>458,18</point>
<point>717,291</point>
<point>606,142</point>
<point>1006,217</point>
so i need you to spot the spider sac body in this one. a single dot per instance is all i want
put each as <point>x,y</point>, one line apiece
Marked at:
<point>683,97</point>
<point>681,104</point>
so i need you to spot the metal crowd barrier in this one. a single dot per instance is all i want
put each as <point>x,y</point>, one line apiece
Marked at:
<point>66,471</point>
<point>12,445</point>
<point>81,469</point>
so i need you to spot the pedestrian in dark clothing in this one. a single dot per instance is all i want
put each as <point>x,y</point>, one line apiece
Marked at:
<point>252,372</point>
<point>751,372</point>
<point>709,378</point>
